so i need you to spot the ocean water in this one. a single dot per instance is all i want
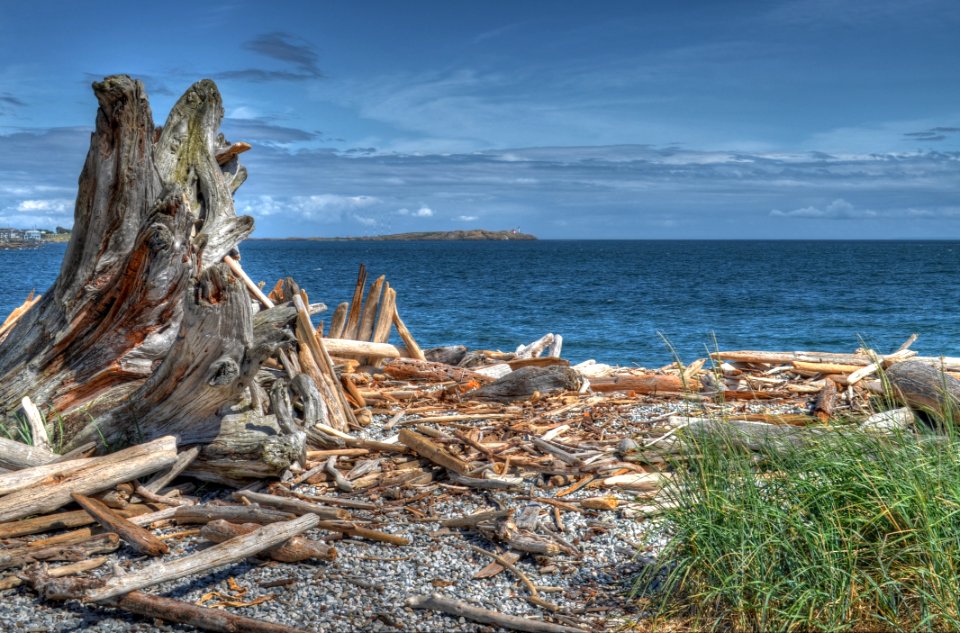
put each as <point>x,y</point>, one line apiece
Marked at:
<point>616,301</point>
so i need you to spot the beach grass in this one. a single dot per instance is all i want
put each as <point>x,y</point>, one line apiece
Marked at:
<point>853,531</point>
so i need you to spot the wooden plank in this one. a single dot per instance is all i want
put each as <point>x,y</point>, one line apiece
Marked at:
<point>826,368</point>
<point>381,331</point>
<point>342,347</point>
<point>338,321</point>
<point>775,358</point>
<point>353,317</point>
<point>432,452</point>
<point>365,330</point>
<point>653,383</point>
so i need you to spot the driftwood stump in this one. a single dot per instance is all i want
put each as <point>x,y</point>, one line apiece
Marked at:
<point>146,331</point>
<point>925,388</point>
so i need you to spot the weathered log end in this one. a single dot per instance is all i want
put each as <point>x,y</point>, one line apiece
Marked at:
<point>926,388</point>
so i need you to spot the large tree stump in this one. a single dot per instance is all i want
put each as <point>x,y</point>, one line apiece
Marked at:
<point>146,331</point>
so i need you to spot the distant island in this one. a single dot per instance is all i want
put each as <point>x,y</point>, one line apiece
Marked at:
<point>472,235</point>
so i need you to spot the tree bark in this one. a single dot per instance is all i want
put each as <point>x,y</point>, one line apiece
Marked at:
<point>147,331</point>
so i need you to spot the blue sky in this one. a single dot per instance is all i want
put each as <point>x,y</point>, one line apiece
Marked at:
<point>780,119</point>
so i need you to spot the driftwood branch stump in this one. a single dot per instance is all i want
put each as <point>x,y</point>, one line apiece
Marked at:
<point>146,331</point>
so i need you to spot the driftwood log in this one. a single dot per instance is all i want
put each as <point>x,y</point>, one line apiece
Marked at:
<point>148,330</point>
<point>926,388</point>
<point>524,382</point>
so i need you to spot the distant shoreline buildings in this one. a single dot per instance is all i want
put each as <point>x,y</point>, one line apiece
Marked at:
<point>12,236</point>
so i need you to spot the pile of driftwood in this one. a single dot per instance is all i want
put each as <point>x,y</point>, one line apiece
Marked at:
<point>544,434</point>
<point>154,356</point>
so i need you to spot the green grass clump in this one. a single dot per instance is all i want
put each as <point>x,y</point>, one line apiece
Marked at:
<point>851,532</point>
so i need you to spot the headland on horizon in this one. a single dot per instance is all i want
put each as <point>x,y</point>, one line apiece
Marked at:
<point>465,235</point>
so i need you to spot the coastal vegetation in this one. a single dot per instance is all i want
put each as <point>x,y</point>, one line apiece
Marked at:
<point>852,531</point>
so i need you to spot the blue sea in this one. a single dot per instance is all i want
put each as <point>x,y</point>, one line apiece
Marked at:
<point>620,302</point>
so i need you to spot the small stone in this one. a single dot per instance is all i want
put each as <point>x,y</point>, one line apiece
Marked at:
<point>626,445</point>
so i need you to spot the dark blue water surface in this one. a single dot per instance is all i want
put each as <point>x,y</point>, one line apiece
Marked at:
<point>609,299</point>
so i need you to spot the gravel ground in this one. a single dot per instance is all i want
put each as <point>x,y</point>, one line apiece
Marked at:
<point>364,589</point>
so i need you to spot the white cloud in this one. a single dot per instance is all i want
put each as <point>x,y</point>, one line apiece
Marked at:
<point>322,207</point>
<point>243,112</point>
<point>32,189</point>
<point>364,220</point>
<point>837,209</point>
<point>631,187</point>
<point>840,209</point>
<point>37,213</point>
<point>25,221</point>
<point>56,205</point>
<point>423,212</point>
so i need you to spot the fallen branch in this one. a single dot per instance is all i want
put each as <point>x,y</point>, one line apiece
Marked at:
<point>459,609</point>
<point>292,551</point>
<point>135,536</point>
<point>11,581</point>
<point>295,506</point>
<point>236,549</point>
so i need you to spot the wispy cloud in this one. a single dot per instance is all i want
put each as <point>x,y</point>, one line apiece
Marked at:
<point>840,209</point>
<point>10,100</point>
<point>282,47</point>
<point>9,103</point>
<point>497,32</point>
<point>858,13</point>
<point>264,130</point>
<point>938,133</point>
<point>288,48</point>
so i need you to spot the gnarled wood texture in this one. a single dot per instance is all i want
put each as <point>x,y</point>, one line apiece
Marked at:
<point>147,332</point>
